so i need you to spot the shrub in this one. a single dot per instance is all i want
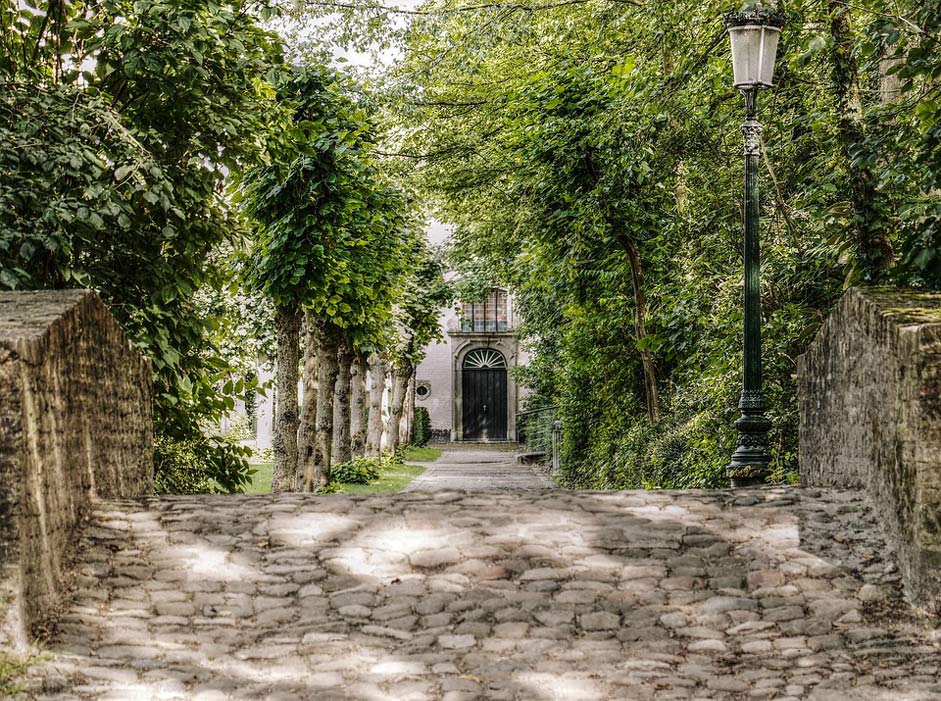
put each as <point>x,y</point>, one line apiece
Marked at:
<point>421,427</point>
<point>357,471</point>
<point>240,429</point>
<point>198,466</point>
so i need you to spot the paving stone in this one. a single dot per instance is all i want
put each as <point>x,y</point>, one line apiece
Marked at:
<point>708,646</point>
<point>674,620</point>
<point>721,604</point>
<point>456,642</point>
<point>435,558</point>
<point>599,620</point>
<point>535,594</point>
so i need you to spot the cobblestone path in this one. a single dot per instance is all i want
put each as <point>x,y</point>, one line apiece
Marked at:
<point>476,470</point>
<point>760,594</point>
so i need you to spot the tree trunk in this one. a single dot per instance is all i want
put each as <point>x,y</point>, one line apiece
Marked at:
<point>319,473</point>
<point>344,414</point>
<point>284,441</point>
<point>359,408</point>
<point>400,377</point>
<point>871,244</point>
<point>890,85</point>
<point>640,327</point>
<point>377,385</point>
<point>408,417</point>
<point>307,433</point>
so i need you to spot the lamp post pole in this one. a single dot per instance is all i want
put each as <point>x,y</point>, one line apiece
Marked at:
<point>751,459</point>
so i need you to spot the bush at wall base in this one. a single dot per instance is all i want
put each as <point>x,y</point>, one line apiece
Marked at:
<point>421,427</point>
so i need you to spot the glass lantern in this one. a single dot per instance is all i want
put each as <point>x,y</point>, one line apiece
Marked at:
<point>754,36</point>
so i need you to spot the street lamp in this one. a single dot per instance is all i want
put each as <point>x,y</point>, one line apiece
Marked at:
<point>754,36</point>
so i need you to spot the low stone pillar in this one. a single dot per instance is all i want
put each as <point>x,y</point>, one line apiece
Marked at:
<point>75,425</point>
<point>870,417</point>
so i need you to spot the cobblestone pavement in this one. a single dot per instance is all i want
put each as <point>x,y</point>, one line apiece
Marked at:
<point>760,594</point>
<point>476,470</point>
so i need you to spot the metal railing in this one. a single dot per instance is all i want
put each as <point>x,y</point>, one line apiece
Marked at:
<point>537,432</point>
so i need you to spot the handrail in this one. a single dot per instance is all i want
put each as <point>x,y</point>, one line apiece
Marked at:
<point>529,412</point>
<point>538,431</point>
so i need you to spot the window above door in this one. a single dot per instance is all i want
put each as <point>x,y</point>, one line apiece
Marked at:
<point>484,359</point>
<point>492,314</point>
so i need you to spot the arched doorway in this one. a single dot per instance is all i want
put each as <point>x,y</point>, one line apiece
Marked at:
<point>483,395</point>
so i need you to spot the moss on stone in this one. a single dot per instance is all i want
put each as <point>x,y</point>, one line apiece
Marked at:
<point>13,673</point>
<point>904,305</point>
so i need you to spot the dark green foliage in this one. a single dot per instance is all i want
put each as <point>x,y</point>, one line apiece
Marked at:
<point>332,231</point>
<point>365,470</point>
<point>118,122</point>
<point>597,126</point>
<point>421,427</point>
<point>535,429</point>
<point>418,304</point>
<point>198,466</point>
<point>356,471</point>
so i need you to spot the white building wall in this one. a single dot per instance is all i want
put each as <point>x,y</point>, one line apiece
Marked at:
<point>522,358</point>
<point>434,372</point>
<point>264,404</point>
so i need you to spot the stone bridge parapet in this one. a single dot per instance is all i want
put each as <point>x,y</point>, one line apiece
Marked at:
<point>870,417</point>
<point>75,426</point>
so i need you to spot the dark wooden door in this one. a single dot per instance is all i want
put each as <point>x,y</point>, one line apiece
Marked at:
<point>484,399</point>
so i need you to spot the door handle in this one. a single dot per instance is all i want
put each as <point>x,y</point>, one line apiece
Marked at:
<point>485,408</point>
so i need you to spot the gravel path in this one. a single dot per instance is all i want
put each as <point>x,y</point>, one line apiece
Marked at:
<point>531,596</point>
<point>476,470</point>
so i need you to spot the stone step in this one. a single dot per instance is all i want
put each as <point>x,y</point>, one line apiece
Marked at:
<point>503,446</point>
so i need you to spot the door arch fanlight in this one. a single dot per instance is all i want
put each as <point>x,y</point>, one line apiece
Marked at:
<point>484,359</point>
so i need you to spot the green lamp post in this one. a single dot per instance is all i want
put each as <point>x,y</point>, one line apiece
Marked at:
<point>754,36</point>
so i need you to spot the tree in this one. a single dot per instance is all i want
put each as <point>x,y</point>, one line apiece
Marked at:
<point>378,371</point>
<point>359,401</point>
<point>120,120</point>
<point>330,244</point>
<point>343,425</point>
<point>871,245</point>
<point>307,426</point>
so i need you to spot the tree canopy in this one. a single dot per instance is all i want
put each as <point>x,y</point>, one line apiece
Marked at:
<point>590,157</point>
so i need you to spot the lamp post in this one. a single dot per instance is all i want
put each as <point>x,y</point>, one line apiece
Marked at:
<point>754,36</point>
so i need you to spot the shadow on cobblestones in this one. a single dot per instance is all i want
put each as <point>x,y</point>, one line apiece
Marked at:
<point>766,594</point>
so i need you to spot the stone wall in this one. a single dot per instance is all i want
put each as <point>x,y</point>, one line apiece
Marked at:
<point>75,425</point>
<point>870,416</point>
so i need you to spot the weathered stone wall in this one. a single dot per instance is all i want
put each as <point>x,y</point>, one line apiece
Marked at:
<point>870,416</point>
<point>75,425</point>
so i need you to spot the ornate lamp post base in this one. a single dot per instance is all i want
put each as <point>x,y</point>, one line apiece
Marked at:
<point>750,460</point>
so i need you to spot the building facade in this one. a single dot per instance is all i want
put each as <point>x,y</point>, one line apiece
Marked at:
<point>466,381</point>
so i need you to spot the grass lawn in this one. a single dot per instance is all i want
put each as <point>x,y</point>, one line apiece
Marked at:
<point>419,454</point>
<point>391,480</point>
<point>261,480</point>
